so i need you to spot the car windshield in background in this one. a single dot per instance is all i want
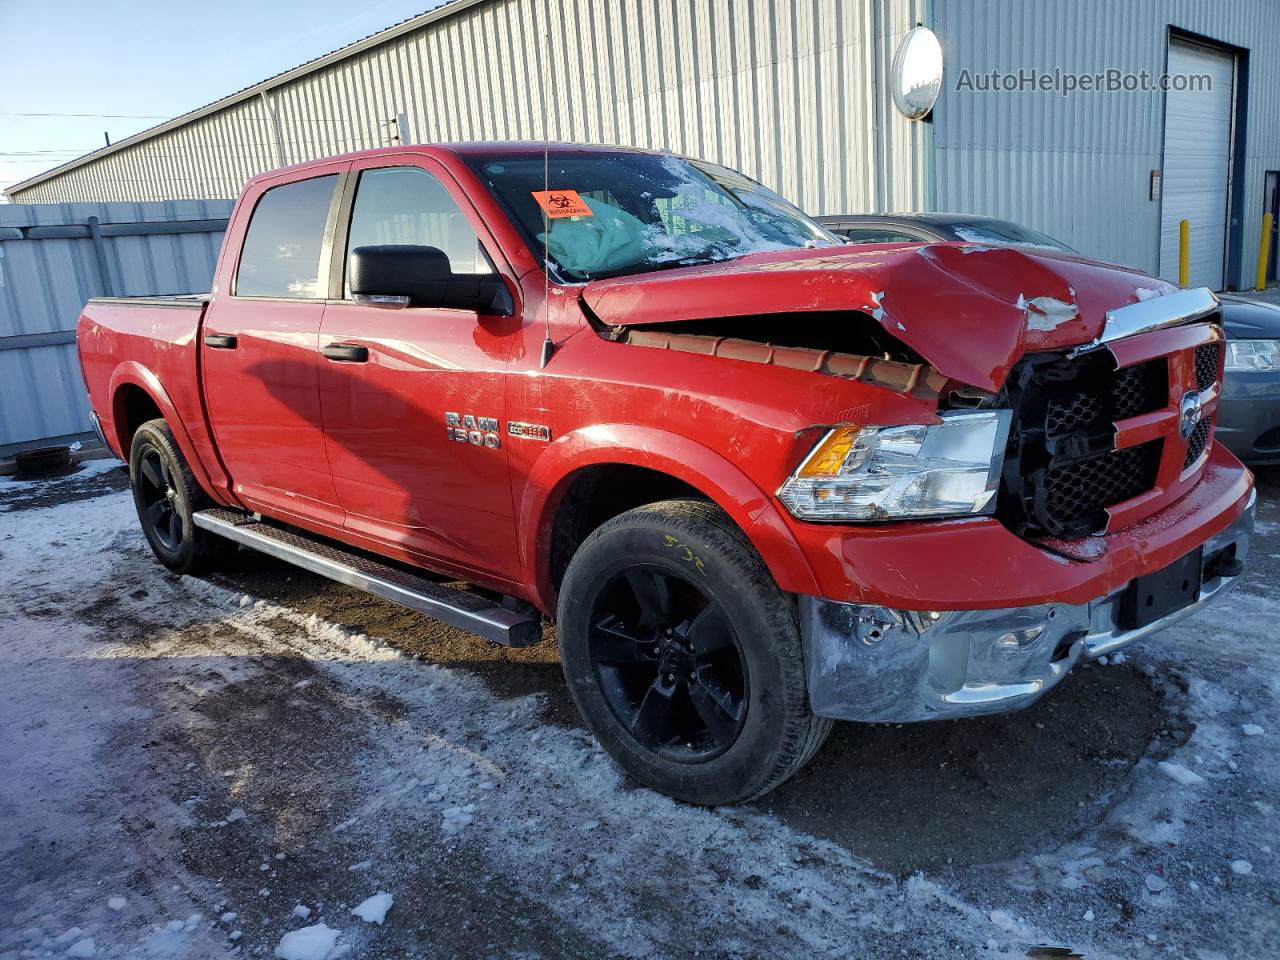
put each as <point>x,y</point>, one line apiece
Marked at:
<point>1002,232</point>
<point>600,214</point>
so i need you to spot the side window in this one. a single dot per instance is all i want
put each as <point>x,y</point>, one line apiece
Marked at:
<point>877,235</point>
<point>281,252</point>
<point>407,205</point>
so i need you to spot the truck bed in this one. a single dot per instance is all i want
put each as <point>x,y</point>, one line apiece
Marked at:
<point>139,358</point>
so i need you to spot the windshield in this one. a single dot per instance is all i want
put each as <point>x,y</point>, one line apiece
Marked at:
<point>1003,232</point>
<point>604,214</point>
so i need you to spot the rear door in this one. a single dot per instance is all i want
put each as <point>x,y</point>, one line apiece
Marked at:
<point>413,399</point>
<point>259,350</point>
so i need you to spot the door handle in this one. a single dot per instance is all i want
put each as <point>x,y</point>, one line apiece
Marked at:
<point>220,341</point>
<point>346,352</point>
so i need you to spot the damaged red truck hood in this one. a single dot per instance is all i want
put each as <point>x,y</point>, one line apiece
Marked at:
<point>971,311</point>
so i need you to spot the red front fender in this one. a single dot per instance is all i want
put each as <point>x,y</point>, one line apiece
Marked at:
<point>676,456</point>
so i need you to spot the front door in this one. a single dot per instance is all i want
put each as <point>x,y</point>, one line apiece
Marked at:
<point>259,354</point>
<point>413,399</point>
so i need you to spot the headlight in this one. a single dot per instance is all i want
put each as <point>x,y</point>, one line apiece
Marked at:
<point>1253,354</point>
<point>945,469</point>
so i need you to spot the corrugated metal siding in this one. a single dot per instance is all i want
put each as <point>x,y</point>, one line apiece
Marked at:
<point>45,283</point>
<point>1078,167</point>
<point>785,90</point>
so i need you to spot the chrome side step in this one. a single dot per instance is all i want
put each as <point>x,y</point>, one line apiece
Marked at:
<point>461,609</point>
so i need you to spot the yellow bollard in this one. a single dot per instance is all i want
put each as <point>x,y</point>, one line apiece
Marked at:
<point>1264,251</point>
<point>1184,252</point>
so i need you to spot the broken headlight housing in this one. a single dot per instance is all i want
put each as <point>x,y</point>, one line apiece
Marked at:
<point>946,469</point>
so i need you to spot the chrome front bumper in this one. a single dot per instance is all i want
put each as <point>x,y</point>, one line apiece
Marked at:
<point>878,665</point>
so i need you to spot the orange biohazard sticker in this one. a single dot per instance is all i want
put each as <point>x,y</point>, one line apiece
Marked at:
<point>558,204</point>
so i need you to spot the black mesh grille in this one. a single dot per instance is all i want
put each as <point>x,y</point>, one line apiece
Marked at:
<point>1140,389</point>
<point>1085,488</point>
<point>1196,443</point>
<point>1075,411</point>
<point>1207,355</point>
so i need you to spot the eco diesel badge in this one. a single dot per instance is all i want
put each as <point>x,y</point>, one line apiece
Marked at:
<point>1189,412</point>
<point>530,431</point>
<point>477,431</point>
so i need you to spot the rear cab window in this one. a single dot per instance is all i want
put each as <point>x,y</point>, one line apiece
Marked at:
<point>280,256</point>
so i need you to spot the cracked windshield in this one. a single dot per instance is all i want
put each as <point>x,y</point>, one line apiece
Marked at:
<point>598,214</point>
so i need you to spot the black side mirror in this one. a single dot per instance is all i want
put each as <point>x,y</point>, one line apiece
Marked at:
<point>402,275</point>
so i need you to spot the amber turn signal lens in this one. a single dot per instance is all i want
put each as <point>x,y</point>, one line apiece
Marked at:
<point>830,455</point>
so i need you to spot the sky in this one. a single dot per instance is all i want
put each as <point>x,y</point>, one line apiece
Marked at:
<point>89,67</point>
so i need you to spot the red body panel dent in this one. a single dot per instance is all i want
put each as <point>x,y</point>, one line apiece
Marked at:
<point>964,308</point>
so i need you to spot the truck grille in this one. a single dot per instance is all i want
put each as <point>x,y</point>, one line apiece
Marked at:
<point>1196,443</point>
<point>1208,356</point>
<point>1085,488</point>
<point>1063,469</point>
<point>1140,389</point>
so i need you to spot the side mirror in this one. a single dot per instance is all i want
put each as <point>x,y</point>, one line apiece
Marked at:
<point>402,275</point>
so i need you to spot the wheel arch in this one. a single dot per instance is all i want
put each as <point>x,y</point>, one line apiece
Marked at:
<point>137,396</point>
<point>667,465</point>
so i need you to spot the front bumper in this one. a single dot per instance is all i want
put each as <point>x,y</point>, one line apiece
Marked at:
<point>878,665</point>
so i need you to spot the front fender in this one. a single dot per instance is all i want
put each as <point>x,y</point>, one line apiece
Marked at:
<point>677,456</point>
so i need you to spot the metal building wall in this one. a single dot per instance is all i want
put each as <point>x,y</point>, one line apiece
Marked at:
<point>44,283</point>
<point>789,91</point>
<point>1078,167</point>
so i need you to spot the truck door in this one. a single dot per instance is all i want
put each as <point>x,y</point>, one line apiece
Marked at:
<point>259,351</point>
<point>413,399</point>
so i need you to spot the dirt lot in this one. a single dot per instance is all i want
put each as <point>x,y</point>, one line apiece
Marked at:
<point>185,762</point>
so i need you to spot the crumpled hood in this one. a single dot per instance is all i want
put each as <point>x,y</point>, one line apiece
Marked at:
<point>970,310</point>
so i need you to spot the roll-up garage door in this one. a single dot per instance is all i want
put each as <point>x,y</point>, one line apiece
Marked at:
<point>1197,161</point>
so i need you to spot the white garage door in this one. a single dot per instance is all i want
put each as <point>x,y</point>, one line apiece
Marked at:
<point>1197,163</point>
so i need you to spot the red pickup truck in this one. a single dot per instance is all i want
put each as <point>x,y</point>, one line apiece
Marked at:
<point>760,479</point>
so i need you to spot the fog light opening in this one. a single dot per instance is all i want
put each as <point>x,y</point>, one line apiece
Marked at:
<point>1063,650</point>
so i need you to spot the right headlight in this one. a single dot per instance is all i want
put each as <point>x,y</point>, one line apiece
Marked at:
<point>946,469</point>
<point>1253,355</point>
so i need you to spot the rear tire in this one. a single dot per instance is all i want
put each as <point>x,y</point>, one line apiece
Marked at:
<point>166,496</point>
<point>684,657</point>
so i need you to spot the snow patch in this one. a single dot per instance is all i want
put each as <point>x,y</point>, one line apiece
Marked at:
<point>374,909</point>
<point>1241,867</point>
<point>116,903</point>
<point>1180,774</point>
<point>309,943</point>
<point>1252,730</point>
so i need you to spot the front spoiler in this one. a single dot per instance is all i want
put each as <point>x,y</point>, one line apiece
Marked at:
<point>877,665</point>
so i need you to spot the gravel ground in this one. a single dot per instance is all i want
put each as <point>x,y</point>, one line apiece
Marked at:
<point>186,761</point>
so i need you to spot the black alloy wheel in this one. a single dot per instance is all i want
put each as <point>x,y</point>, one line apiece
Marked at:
<point>158,494</point>
<point>669,664</point>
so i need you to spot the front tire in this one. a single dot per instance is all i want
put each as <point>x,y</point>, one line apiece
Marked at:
<point>684,657</point>
<point>166,496</point>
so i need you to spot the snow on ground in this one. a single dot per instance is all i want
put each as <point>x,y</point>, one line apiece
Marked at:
<point>185,768</point>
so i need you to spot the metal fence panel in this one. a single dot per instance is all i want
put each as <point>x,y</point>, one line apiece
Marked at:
<point>50,265</point>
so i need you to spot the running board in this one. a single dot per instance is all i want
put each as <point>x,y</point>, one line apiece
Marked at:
<point>459,608</point>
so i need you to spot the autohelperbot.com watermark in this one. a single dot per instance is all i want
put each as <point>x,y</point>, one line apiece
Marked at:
<point>1068,82</point>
